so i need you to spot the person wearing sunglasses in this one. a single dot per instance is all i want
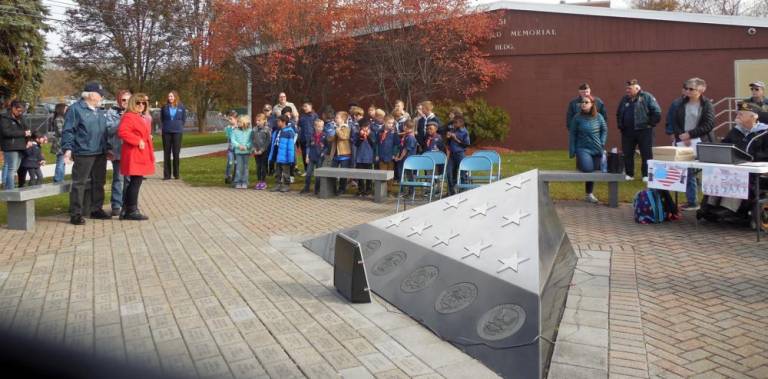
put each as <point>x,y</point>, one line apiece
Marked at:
<point>84,141</point>
<point>137,156</point>
<point>587,133</point>
<point>757,101</point>
<point>118,181</point>
<point>692,122</point>
<point>574,107</point>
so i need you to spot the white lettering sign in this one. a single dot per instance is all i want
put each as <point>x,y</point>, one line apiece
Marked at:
<point>533,33</point>
<point>725,182</point>
<point>503,47</point>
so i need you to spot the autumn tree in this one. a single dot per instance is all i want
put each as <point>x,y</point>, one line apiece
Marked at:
<point>22,48</point>
<point>422,49</point>
<point>723,7</point>
<point>122,43</point>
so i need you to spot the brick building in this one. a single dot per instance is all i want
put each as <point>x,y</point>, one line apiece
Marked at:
<point>551,49</point>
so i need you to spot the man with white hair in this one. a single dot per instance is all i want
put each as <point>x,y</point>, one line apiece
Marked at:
<point>282,102</point>
<point>758,102</point>
<point>85,141</point>
<point>638,113</point>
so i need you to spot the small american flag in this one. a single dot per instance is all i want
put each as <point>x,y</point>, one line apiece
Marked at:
<point>668,176</point>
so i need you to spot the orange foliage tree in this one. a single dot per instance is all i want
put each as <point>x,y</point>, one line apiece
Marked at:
<point>384,49</point>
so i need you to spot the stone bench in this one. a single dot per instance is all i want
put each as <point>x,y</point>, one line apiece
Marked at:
<point>21,202</point>
<point>327,176</point>
<point>577,176</point>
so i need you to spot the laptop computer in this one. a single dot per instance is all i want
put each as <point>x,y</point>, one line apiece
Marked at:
<point>725,153</point>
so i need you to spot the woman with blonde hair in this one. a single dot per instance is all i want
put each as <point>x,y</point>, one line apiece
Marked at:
<point>137,158</point>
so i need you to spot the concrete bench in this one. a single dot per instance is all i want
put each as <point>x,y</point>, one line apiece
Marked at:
<point>577,176</point>
<point>328,175</point>
<point>21,203</point>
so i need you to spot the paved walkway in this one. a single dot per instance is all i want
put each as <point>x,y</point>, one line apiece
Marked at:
<point>212,290</point>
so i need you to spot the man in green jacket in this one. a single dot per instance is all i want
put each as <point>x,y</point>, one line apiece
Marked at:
<point>638,113</point>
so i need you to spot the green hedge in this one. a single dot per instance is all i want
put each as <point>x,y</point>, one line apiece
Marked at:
<point>486,123</point>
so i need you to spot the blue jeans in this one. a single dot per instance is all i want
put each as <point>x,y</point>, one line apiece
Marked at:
<point>587,162</point>
<point>691,187</point>
<point>118,184</point>
<point>452,175</point>
<point>241,168</point>
<point>11,163</point>
<point>58,174</point>
<point>230,162</point>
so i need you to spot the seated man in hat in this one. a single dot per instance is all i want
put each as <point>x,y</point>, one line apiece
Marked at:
<point>758,102</point>
<point>751,136</point>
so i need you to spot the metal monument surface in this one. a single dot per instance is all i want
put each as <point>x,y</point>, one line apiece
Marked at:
<point>487,270</point>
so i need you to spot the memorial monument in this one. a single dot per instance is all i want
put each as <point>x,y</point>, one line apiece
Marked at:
<point>487,270</point>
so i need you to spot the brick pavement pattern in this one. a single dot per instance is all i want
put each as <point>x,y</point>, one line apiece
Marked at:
<point>213,290</point>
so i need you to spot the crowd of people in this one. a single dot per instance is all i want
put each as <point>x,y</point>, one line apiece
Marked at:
<point>282,136</point>
<point>353,138</point>
<point>690,120</point>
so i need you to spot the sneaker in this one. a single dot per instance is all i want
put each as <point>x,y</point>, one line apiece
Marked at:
<point>292,179</point>
<point>303,174</point>
<point>116,212</point>
<point>262,185</point>
<point>227,180</point>
<point>276,188</point>
<point>627,177</point>
<point>304,191</point>
<point>134,216</point>
<point>689,207</point>
<point>77,220</point>
<point>99,214</point>
<point>590,198</point>
<point>645,179</point>
<point>285,189</point>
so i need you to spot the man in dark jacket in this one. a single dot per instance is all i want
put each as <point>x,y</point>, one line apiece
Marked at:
<point>758,102</point>
<point>13,142</point>
<point>84,140</point>
<point>636,116</point>
<point>691,121</point>
<point>574,107</point>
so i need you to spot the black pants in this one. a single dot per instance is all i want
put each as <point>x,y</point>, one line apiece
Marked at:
<point>89,174</point>
<point>311,166</point>
<point>131,194</point>
<point>347,163</point>
<point>304,153</point>
<point>644,140</point>
<point>171,145</point>
<point>366,186</point>
<point>35,176</point>
<point>261,167</point>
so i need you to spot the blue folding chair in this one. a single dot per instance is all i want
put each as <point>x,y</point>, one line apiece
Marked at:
<point>472,164</point>
<point>418,172</point>
<point>440,160</point>
<point>495,160</point>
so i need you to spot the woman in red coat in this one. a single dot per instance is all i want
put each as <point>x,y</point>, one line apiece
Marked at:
<point>137,158</point>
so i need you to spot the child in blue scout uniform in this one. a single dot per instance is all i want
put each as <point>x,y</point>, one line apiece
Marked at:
<point>242,143</point>
<point>434,141</point>
<point>366,146</point>
<point>458,141</point>
<point>315,155</point>
<point>408,147</point>
<point>286,153</point>
<point>306,129</point>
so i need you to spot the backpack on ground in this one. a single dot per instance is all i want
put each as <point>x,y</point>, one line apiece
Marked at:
<point>648,207</point>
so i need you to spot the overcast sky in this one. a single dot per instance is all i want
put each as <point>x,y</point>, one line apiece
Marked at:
<point>58,8</point>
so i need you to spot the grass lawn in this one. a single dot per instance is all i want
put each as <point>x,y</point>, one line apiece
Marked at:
<point>209,171</point>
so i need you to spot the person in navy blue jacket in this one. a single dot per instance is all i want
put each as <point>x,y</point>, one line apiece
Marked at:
<point>315,154</point>
<point>306,130</point>
<point>366,151</point>
<point>421,127</point>
<point>458,141</point>
<point>173,116</point>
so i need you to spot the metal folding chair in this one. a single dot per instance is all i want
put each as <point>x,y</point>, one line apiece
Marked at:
<point>495,161</point>
<point>418,172</point>
<point>471,165</point>
<point>440,159</point>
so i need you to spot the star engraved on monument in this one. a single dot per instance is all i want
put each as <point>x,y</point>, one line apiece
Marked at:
<point>396,221</point>
<point>516,182</point>
<point>476,249</point>
<point>514,218</point>
<point>445,240</point>
<point>482,210</point>
<point>420,228</point>
<point>512,263</point>
<point>454,203</point>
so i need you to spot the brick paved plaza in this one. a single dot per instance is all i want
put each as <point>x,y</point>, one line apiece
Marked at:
<point>206,290</point>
